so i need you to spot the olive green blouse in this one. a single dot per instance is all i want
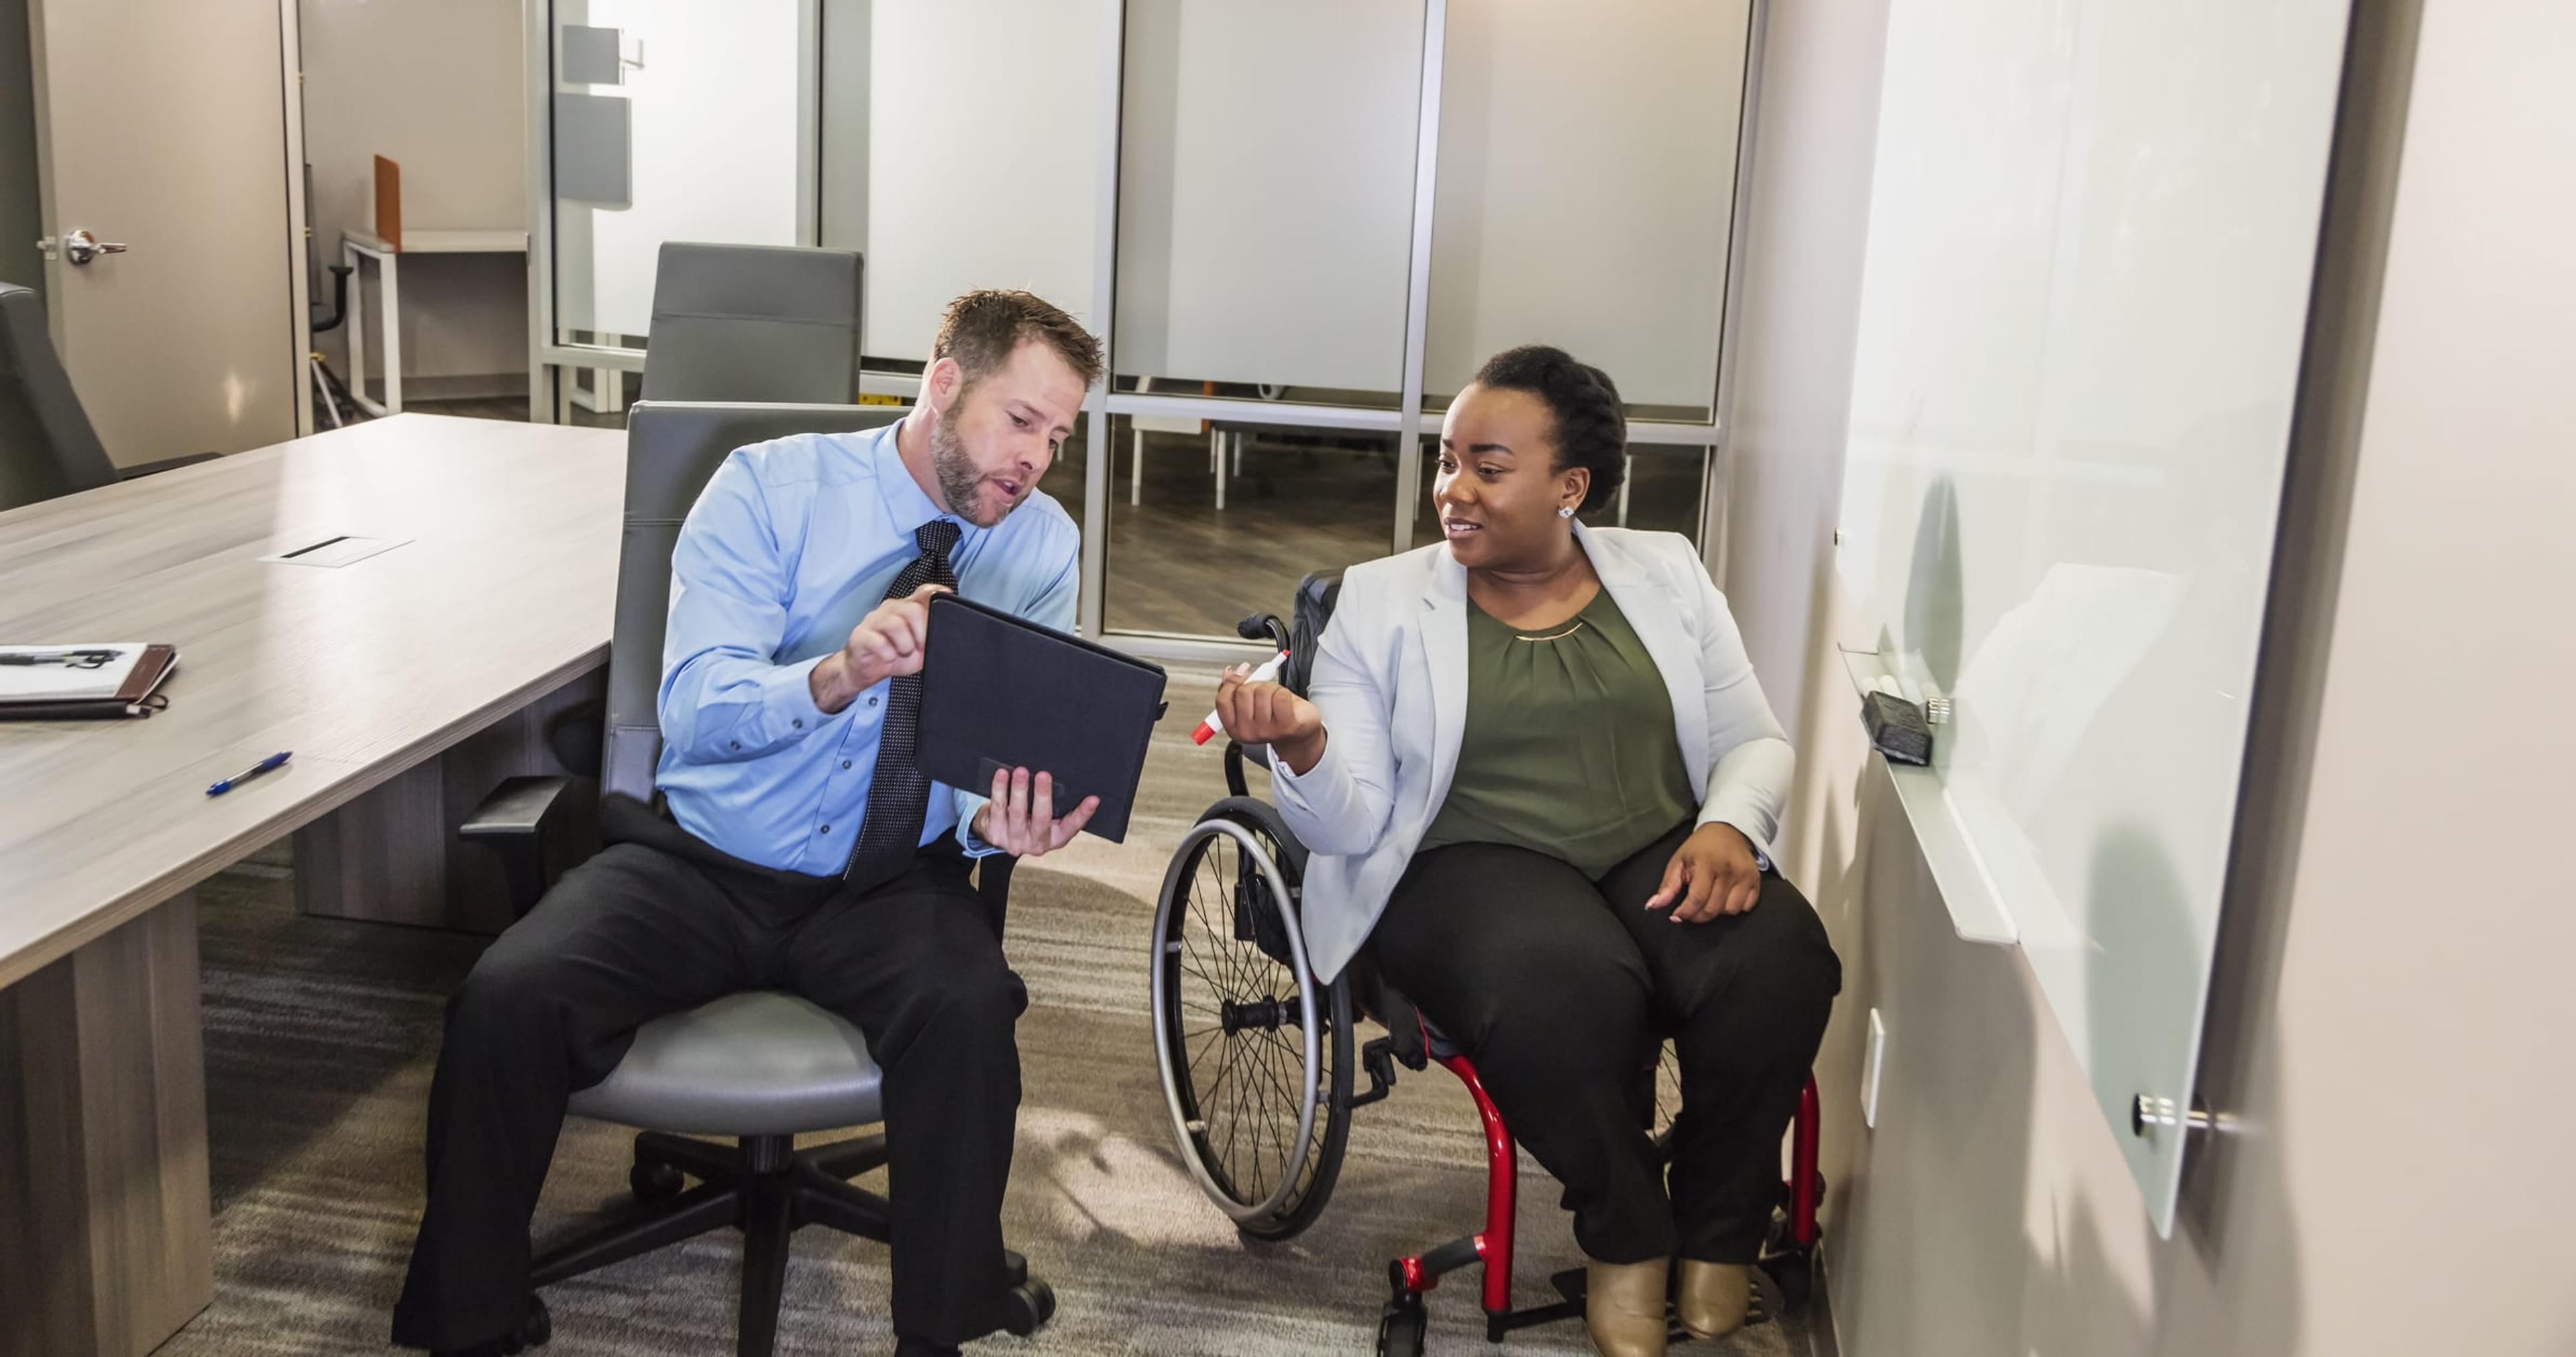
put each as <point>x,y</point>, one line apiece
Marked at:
<point>1568,747</point>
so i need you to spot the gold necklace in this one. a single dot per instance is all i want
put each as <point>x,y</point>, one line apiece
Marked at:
<point>1569,631</point>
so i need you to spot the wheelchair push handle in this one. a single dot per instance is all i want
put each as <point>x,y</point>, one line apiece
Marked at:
<point>1264,627</point>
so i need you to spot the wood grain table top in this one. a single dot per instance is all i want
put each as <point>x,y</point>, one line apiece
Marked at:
<point>502,590</point>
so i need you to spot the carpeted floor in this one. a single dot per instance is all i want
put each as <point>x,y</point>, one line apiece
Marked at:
<point>320,1036</point>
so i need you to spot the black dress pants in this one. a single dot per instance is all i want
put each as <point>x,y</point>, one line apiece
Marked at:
<point>660,922</point>
<point>1560,989</point>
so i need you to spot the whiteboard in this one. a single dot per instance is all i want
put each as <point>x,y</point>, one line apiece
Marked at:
<point>2092,229</point>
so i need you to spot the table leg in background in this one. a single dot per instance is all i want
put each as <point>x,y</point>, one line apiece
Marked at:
<point>392,855</point>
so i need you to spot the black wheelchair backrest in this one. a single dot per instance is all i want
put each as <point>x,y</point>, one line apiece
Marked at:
<point>1313,607</point>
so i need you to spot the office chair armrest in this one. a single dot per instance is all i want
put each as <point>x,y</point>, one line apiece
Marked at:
<point>516,821</point>
<point>165,464</point>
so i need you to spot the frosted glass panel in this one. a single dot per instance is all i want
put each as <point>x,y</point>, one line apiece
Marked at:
<point>988,183</point>
<point>1266,201</point>
<point>1586,189</point>
<point>711,95</point>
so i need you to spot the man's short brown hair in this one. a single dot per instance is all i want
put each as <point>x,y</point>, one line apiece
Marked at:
<point>983,328</point>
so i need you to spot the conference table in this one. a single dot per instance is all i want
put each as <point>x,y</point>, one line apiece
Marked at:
<point>405,605</point>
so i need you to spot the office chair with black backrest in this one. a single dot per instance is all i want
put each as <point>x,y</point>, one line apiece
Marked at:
<point>757,1068</point>
<point>754,323</point>
<point>47,445</point>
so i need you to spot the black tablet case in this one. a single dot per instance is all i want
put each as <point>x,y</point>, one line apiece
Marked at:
<point>998,691</point>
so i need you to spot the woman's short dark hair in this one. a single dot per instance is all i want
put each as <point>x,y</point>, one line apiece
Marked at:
<point>1591,424</point>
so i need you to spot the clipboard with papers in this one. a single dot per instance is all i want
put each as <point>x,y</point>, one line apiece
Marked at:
<point>1001,692</point>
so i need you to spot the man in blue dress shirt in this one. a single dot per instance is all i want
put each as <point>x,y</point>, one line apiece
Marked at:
<point>803,849</point>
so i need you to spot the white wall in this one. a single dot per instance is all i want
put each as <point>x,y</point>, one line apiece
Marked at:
<point>1586,187</point>
<point>1268,172</point>
<point>438,88</point>
<point>2387,1022</point>
<point>1814,132</point>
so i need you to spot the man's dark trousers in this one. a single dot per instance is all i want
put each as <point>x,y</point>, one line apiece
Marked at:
<point>660,922</point>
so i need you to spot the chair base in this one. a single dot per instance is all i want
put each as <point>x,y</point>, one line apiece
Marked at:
<point>766,1188</point>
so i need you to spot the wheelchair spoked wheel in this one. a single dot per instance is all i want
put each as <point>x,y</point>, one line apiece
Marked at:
<point>1255,1055</point>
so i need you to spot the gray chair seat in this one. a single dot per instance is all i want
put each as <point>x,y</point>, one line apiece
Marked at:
<point>750,1064</point>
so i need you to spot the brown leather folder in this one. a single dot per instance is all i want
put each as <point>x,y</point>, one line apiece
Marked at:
<point>141,695</point>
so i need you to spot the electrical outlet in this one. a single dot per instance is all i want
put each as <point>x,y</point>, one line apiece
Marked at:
<point>1872,1065</point>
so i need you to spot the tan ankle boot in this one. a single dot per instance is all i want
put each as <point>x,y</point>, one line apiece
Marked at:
<point>1623,1305</point>
<point>1713,1297</point>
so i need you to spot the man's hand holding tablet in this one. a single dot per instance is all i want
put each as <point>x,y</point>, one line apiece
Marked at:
<point>1021,818</point>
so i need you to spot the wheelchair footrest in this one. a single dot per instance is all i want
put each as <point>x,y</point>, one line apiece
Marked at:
<point>1378,1059</point>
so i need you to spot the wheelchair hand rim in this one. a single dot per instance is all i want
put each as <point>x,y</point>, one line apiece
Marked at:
<point>1165,1056</point>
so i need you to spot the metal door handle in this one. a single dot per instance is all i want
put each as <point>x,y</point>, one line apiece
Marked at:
<point>80,247</point>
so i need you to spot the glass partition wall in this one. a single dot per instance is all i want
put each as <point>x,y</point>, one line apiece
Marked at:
<point>1299,228</point>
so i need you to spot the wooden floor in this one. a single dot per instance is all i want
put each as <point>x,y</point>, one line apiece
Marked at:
<point>1306,501</point>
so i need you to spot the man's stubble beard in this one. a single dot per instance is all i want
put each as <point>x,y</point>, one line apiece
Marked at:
<point>960,482</point>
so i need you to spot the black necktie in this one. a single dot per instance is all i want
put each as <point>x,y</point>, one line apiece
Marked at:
<point>898,794</point>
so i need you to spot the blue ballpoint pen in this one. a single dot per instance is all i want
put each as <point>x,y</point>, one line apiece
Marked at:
<point>267,765</point>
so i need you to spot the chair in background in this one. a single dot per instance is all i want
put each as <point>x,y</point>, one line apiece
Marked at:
<point>757,1068</point>
<point>754,323</point>
<point>47,445</point>
<point>741,324</point>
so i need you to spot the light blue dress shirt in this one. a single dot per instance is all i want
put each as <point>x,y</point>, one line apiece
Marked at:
<point>792,543</point>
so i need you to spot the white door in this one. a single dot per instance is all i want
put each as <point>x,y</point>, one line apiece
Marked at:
<point>164,128</point>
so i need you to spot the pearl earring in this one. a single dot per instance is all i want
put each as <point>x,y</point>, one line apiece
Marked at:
<point>1565,511</point>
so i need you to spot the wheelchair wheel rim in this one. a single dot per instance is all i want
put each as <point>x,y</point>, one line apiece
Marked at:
<point>1182,1031</point>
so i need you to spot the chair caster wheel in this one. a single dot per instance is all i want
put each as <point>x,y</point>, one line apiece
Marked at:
<point>653,1183</point>
<point>1015,1265</point>
<point>1028,1307</point>
<point>1399,1329</point>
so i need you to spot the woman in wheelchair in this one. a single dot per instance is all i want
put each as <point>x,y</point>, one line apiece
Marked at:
<point>1538,778</point>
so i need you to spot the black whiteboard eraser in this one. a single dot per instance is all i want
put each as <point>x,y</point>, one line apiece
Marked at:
<point>1897,728</point>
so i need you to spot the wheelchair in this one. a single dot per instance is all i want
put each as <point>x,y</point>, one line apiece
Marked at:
<point>1258,1069</point>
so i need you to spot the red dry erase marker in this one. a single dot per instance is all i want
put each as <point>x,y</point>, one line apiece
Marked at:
<point>1212,726</point>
